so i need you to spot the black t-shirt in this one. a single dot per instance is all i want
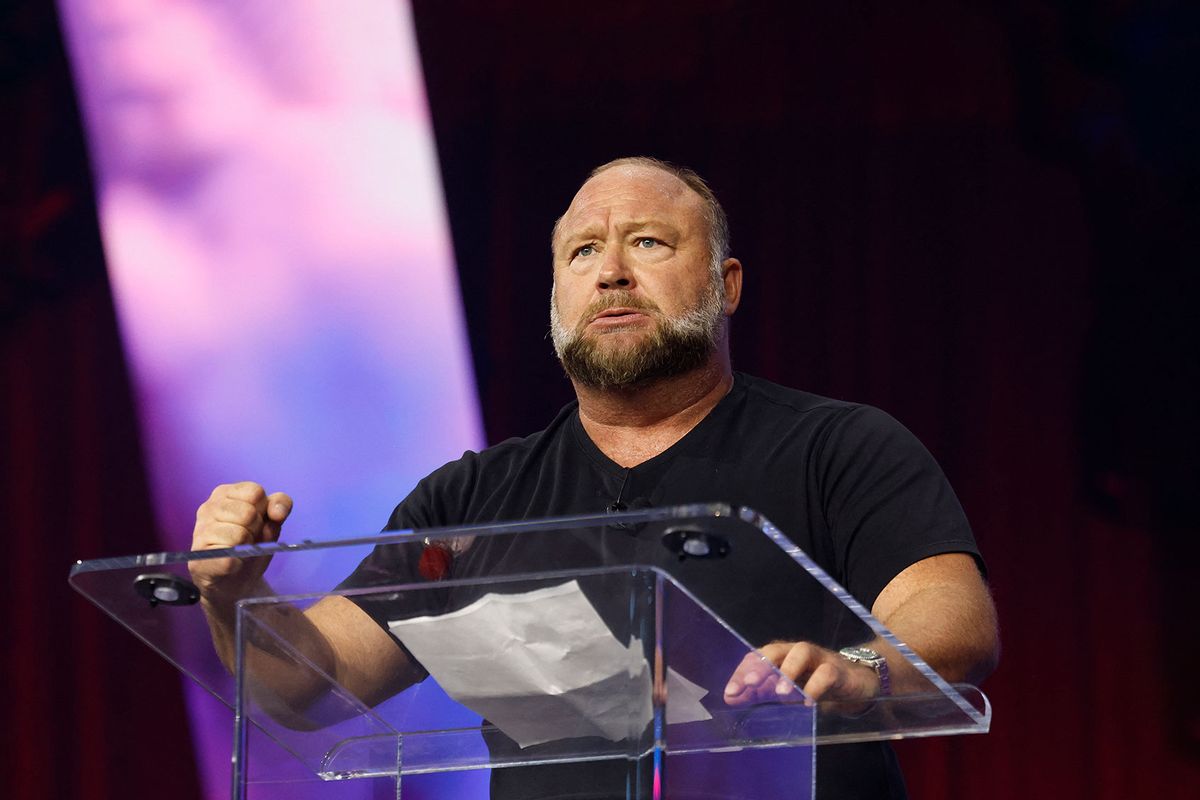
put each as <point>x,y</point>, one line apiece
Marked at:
<point>846,482</point>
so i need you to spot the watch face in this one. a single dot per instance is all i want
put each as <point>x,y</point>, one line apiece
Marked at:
<point>861,654</point>
<point>868,657</point>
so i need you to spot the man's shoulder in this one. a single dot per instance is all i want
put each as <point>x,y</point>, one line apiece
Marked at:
<point>776,409</point>
<point>472,487</point>
<point>773,396</point>
<point>514,450</point>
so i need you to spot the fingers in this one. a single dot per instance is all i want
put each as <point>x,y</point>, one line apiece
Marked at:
<point>216,535</point>
<point>239,513</point>
<point>279,508</point>
<point>821,675</point>
<point>755,678</point>
<point>827,680</point>
<point>235,514</point>
<point>809,667</point>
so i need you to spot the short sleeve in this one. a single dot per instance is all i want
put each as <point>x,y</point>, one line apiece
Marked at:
<point>428,505</point>
<point>886,501</point>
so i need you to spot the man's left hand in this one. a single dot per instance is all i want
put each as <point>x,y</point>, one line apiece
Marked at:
<point>821,674</point>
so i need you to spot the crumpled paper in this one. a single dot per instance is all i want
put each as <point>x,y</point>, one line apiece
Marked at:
<point>542,666</point>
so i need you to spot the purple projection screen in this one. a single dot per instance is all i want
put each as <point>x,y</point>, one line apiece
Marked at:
<point>276,238</point>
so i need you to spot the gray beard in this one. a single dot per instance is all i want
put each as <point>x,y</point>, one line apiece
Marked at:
<point>677,345</point>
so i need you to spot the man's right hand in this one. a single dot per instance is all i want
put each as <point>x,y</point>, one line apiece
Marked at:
<point>235,514</point>
<point>334,634</point>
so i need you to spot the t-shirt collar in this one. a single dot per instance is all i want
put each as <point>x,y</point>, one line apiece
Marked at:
<point>659,463</point>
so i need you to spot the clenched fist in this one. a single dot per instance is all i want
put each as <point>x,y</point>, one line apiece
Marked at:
<point>235,514</point>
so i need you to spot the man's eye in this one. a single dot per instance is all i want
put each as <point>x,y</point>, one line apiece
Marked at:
<point>647,242</point>
<point>586,250</point>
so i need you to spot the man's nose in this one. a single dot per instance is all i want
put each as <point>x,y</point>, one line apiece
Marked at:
<point>614,272</point>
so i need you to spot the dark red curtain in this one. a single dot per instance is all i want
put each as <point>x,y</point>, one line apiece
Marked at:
<point>980,217</point>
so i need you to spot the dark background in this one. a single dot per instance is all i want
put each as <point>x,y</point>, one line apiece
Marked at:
<point>981,217</point>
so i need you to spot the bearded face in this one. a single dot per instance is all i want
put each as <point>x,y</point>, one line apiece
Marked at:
<point>674,346</point>
<point>640,280</point>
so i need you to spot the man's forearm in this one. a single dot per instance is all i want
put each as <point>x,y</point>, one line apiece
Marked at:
<point>283,684</point>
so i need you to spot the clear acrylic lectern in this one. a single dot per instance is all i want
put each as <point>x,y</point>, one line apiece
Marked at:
<point>559,656</point>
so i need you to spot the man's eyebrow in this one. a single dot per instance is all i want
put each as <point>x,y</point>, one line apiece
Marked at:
<point>566,235</point>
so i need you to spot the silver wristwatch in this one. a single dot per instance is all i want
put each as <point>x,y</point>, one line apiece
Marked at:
<point>865,655</point>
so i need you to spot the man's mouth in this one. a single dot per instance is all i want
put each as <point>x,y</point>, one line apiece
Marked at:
<point>619,312</point>
<point>615,317</point>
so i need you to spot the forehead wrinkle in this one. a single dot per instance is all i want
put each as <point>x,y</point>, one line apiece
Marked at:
<point>570,230</point>
<point>670,195</point>
<point>647,222</point>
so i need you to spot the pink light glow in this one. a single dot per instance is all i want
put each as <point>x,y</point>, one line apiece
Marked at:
<point>275,233</point>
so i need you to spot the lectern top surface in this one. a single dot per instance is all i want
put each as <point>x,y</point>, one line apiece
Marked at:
<point>662,604</point>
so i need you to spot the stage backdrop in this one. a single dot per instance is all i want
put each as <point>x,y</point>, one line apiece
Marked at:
<point>276,239</point>
<point>980,217</point>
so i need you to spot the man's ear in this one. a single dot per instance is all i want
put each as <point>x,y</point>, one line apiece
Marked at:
<point>731,272</point>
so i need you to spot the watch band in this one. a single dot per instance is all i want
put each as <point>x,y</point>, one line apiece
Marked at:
<point>867,656</point>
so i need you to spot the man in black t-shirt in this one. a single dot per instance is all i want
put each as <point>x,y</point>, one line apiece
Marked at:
<point>643,288</point>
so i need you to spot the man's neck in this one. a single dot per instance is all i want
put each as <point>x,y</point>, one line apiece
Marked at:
<point>634,425</point>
